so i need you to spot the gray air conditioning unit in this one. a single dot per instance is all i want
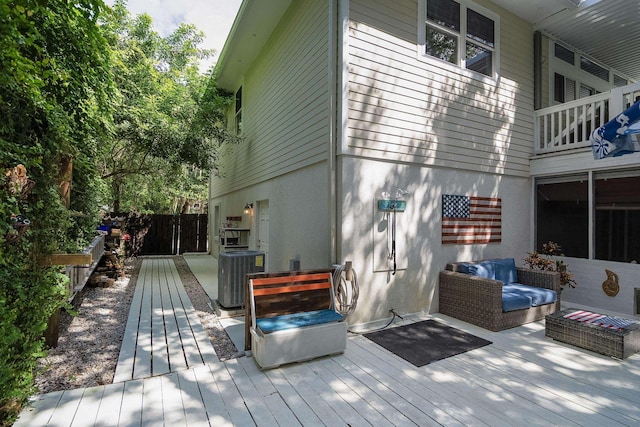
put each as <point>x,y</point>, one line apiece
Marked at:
<point>233,266</point>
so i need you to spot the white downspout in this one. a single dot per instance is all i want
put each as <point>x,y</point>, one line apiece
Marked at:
<point>338,98</point>
<point>592,216</point>
<point>534,215</point>
<point>331,158</point>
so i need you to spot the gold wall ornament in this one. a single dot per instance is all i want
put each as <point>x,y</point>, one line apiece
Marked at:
<point>611,286</point>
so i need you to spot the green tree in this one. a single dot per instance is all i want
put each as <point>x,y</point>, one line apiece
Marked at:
<point>55,96</point>
<point>167,118</point>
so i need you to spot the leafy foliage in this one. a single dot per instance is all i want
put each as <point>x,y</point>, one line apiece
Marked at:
<point>54,103</point>
<point>87,87</point>
<point>167,118</point>
<point>544,261</point>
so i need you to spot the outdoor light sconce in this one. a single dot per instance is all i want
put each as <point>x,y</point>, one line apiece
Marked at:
<point>248,208</point>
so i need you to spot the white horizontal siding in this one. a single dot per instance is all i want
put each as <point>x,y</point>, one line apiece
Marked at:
<point>285,102</point>
<point>403,108</point>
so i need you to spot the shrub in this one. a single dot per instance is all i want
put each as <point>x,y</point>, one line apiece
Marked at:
<point>544,261</point>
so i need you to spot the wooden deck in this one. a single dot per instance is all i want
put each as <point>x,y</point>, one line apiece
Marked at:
<point>163,332</point>
<point>521,379</point>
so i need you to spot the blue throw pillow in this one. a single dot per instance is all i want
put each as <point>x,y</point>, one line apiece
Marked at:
<point>463,267</point>
<point>505,270</point>
<point>484,269</point>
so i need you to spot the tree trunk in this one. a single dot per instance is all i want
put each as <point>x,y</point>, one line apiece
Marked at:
<point>66,174</point>
<point>115,193</point>
<point>186,207</point>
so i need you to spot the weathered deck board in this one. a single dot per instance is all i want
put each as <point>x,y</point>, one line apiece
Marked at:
<point>369,385</point>
<point>205,352</point>
<point>381,396</point>
<point>301,410</point>
<point>405,381</point>
<point>112,398</point>
<point>211,397</point>
<point>89,405</point>
<point>131,410</point>
<point>521,379</point>
<point>259,409</point>
<point>277,406</point>
<point>191,397</point>
<point>40,409</point>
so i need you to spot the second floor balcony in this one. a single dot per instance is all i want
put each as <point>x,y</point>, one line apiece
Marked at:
<point>568,126</point>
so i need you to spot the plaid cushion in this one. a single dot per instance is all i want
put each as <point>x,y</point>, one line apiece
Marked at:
<point>602,320</point>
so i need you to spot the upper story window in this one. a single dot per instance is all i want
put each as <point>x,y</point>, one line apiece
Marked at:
<point>565,54</point>
<point>576,76</point>
<point>460,33</point>
<point>238,114</point>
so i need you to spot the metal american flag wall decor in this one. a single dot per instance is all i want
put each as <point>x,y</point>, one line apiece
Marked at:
<point>468,220</point>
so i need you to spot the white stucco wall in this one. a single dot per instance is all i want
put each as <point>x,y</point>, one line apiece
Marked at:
<point>298,217</point>
<point>421,255</point>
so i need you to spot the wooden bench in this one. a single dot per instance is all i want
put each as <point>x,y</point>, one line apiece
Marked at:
<point>293,317</point>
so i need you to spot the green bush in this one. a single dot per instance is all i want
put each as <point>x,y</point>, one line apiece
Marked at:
<point>29,293</point>
<point>54,104</point>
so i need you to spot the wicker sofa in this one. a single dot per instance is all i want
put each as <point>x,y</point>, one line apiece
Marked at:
<point>479,300</point>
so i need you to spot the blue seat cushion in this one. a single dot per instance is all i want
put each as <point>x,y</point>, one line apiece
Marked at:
<point>513,300</point>
<point>536,296</point>
<point>297,320</point>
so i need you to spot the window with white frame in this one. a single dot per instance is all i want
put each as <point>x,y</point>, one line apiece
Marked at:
<point>576,76</point>
<point>461,33</point>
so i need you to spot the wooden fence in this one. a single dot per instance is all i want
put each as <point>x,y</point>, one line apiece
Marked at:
<point>169,234</point>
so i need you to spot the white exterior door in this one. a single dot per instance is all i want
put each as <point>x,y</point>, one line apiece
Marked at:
<point>263,230</point>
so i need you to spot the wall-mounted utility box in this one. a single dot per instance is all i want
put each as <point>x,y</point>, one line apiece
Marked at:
<point>392,205</point>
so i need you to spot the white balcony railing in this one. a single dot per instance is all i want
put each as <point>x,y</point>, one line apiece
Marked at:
<point>568,126</point>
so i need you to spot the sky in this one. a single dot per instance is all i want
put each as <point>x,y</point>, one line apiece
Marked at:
<point>213,17</point>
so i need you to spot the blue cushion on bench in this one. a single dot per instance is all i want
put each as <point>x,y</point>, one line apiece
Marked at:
<point>297,320</point>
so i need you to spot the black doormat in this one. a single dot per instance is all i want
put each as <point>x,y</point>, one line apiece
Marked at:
<point>424,342</point>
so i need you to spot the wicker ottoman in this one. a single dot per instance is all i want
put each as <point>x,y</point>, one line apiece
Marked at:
<point>610,342</point>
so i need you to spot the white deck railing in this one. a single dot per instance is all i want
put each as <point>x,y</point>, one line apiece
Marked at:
<point>568,126</point>
<point>79,274</point>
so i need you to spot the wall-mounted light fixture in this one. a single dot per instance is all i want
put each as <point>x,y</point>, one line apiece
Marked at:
<point>248,208</point>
